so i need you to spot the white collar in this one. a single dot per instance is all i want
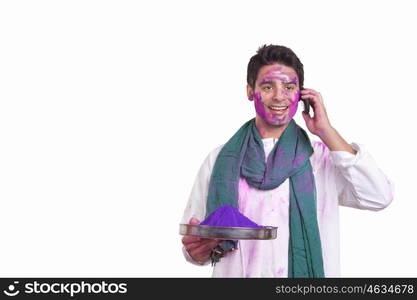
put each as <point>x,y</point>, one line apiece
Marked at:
<point>269,140</point>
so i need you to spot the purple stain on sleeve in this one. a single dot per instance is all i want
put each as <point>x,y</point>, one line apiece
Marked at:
<point>228,216</point>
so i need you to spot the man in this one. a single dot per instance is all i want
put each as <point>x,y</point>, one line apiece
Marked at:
<point>276,177</point>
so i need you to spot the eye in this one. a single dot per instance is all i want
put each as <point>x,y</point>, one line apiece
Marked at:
<point>266,87</point>
<point>290,87</point>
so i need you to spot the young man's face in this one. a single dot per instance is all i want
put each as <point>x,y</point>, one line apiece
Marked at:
<point>276,94</point>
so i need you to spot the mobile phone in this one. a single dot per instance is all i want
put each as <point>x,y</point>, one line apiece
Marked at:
<point>306,103</point>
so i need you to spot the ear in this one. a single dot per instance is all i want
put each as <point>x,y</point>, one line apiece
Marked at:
<point>249,92</point>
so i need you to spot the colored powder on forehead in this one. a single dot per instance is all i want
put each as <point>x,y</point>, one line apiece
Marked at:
<point>294,80</point>
<point>228,216</point>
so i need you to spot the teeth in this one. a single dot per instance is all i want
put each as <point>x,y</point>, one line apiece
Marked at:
<point>278,107</point>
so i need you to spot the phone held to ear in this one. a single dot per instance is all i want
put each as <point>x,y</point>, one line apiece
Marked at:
<point>306,103</point>
<point>306,106</point>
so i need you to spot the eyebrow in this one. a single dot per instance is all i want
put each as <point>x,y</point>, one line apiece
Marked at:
<point>268,81</point>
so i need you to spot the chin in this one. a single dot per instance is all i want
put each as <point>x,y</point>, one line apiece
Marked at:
<point>277,123</point>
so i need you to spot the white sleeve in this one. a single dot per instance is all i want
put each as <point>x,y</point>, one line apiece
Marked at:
<point>359,182</point>
<point>196,206</point>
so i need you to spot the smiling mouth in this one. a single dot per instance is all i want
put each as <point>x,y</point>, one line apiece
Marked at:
<point>280,110</point>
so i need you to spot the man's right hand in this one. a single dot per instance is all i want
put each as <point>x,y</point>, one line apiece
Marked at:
<point>199,248</point>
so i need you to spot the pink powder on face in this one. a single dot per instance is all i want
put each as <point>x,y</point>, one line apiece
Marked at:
<point>294,80</point>
<point>229,216</point>
<point>259,106</point>
<point>276,74</point>
<point>264,99</point>
<point>273,119</point>
<point>294,105</point>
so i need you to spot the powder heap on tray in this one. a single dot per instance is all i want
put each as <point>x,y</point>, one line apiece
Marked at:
<point>228,216</point>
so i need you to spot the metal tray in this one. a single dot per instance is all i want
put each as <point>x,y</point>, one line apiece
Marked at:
<point>229,233</point>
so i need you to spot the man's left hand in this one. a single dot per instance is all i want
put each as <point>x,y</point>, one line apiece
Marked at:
<point>319,124</point>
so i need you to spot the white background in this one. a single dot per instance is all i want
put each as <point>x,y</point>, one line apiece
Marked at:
<point>108,109</point>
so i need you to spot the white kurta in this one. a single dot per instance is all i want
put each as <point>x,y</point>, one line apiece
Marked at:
<point>341,178</point>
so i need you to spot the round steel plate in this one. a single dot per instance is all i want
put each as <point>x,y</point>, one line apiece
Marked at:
<point>229,233</point>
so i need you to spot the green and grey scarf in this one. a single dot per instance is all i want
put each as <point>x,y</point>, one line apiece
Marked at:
<point>243,155</point>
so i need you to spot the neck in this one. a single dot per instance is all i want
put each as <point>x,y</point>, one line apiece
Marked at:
<point>269,131</point>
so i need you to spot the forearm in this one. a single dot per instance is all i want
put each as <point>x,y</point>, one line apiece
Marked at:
<point>335,142</point>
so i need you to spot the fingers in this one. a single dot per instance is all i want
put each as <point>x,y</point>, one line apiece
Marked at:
<point>190,239</point>
<point>201,251</point>
<point>309,91</point>
<point>316,102</point>
<point>201,254</point>
<point>194,221</point>
<point>307,117</point>
<point>311,95</point>
<point>320,121</point>
<point>187,240</point>
<point>205,244</point>
<point>315,97</point>
<point>195,245</point>
<point>199,248</point>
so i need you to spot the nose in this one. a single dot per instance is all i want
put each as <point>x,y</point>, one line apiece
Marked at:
<point>279,93</point>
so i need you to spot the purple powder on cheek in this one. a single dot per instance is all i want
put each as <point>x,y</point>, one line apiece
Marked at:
<point>294,106</point>
<point>297,96</point>
<point>229,216</point>
<point>259,106</point>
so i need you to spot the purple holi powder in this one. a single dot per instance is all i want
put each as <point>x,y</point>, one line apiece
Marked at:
<point>228,216</point>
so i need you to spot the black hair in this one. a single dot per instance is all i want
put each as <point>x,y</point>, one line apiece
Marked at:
<point>267,55</point>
